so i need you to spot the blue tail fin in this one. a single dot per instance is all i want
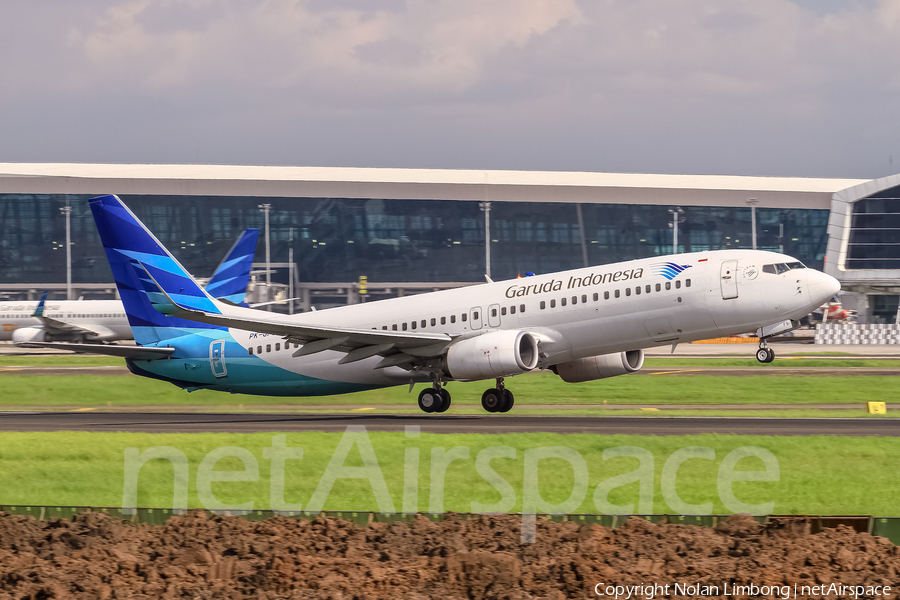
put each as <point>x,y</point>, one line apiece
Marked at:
<point>133,252</point>
<point>39,309</point>
<point>230,280</point>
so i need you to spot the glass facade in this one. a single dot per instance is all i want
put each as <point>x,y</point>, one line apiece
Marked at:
<point>337,240</point>
<point>875,232</point>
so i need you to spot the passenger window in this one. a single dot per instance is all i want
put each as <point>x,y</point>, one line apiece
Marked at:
<point>259,349</point>
<point>596,296</point>
<point>394,327</point>
<point>606,295</point>
<point>553,304</point>
<point>413,324</point>
<point>678,284</point>
<point>668,285</point>
<point>583,298</point>
<point>562,301</point>
<point>574,300</point>
<point>433,322</point>
<point>769,269</point>
<point>453,318</point>
<point>424,323</point>
<point>384,327</point>
<point>512,310</point>
<point>403,327</point>
<point>543,305</point>
<point>277,346</point>
<point>521,308</point>
<point>637,290</point>
<point>687,283</point>
<point>443,320</point>
<point>503,311</point>
<point>463,317</point>
<point>658,287</point>
<point>250,350</point>
<point>493,312</point>
<point>268,347</point>
<point>617,293</point>
<point>647,289</point>
<point>475,315</point>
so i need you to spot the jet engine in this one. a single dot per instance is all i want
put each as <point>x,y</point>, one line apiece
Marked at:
<point>494,354</point>
<point>600,367</point>
<point>23,335</point>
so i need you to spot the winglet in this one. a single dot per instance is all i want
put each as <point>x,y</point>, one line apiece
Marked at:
<point>39,310</point>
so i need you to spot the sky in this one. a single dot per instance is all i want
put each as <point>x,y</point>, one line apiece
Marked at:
<point>805,88</point>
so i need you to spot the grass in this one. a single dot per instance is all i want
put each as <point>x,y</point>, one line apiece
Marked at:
<point>33,360</point>
<point>817,475</point>
<point>542,388</point>
<point>781,361</point>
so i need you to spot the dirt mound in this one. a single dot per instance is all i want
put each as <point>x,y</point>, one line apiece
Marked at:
<point>211,557</point>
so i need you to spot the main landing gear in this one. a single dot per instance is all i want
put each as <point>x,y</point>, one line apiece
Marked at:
<point>765,354</point>
<point>434,399</point>
<point>497,399</point>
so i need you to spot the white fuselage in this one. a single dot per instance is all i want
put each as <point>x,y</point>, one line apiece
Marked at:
<point>574,314</point>
<point>105,318</point>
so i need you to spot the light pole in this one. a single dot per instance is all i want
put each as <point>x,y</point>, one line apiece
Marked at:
<point>67,211</point>
<point>677,217</point>
<point>486,208</point>
<point>266,208</point>
<point>291,271</point>
<point>753,202</point>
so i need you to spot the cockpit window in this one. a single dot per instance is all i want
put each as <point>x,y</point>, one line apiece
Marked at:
<point>780,268</point>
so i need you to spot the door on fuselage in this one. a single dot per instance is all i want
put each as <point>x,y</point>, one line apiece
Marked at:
<point>729,279</point>
<point>475,318</point>
<point>217,358</point>
<point>494,315</point>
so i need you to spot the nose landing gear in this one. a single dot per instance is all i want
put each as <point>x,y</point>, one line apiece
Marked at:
<point>498,399</point>
<point>765,354</point>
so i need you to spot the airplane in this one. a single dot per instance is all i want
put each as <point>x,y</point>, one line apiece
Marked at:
<point>103,321</point>
<point>583,324</point>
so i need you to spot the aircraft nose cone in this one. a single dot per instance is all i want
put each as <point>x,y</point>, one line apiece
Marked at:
<point>821,286</point>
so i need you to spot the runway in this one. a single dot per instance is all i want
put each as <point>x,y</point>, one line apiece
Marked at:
<point>509,423</point>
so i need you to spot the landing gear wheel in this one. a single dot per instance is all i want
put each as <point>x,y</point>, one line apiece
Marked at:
<point>430,400</point>
<point>492,400</point>
<point>765,355</point>
<point>508,401</point>
<point>445,401</point>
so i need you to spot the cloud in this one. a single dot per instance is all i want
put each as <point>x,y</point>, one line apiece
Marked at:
<point>748,86</point>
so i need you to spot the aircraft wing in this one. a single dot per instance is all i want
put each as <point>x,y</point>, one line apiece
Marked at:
<point>343,337</point>
<point>133,352</point>
<point>398,348</point>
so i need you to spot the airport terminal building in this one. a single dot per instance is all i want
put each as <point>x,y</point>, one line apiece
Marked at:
<point>425,228</point>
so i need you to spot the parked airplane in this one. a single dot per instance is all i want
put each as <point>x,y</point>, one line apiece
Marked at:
<point>97,321</point>
<point>584,324</point>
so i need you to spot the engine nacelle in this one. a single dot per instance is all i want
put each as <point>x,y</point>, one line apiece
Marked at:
<point>600,367</point>
<point>23,335</point>
<point>494,354</point>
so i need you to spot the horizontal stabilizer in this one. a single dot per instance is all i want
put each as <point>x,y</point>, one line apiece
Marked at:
<point>132,352</point>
